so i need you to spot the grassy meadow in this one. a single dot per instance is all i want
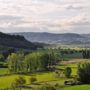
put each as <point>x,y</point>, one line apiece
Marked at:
<point>78,87</point>
<point>42,78</point>
<point>45,77</point>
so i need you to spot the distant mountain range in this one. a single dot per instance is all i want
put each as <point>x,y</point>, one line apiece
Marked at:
<point>17,42</point>
<point>51,38</point>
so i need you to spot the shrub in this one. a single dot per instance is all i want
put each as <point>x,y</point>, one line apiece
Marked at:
<point>57,74</point>
<point>19,81</point>
<point>84,72</point>
<point>33,79</point>
<point>68,72</point>
<point>72,82</point>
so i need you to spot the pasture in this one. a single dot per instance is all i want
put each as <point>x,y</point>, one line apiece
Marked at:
<point>45,77</point>
<point>78,87</point>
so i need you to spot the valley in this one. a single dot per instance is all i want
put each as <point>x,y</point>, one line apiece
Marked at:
<point>43,66</point>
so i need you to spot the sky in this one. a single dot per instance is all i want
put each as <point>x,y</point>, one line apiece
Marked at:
<point>55,16</point>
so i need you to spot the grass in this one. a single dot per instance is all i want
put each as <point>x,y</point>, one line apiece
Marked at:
<point>6,81</point>
<point>3,71</point>
<point>73,67</point>
<point>78,87</point>
<point>48,77</point>
<point>72,56</point>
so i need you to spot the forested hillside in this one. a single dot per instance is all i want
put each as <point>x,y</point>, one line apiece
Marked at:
<point>16,41</point>
<point>52,38</point>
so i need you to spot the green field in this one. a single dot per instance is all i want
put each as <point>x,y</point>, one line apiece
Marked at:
<point>4,71</point>
<point>49,77</point>
<point>79,87</point>
<point>73,67</point>
<point>42,78</point>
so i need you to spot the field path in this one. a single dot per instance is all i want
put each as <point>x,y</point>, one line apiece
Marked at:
<point>74,61</point>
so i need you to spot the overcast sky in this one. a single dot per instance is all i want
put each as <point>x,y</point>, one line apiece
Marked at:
<point>56,16</point>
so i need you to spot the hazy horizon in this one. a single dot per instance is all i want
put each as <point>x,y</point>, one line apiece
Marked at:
<point>52,16</point>
<point>45,32</point>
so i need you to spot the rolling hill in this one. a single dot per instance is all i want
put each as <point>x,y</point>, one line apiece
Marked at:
<point>51,38</point>
<point>16,41</point>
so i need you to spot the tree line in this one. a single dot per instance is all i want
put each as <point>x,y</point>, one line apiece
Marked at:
<point>33,62</point>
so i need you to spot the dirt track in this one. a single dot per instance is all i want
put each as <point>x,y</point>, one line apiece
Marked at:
<point>74,61</point>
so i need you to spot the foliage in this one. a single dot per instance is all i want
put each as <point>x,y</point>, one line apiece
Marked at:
<point>16,63</point>
<point>33,62</point>
<point>33,79</point>
<point>16,41</point>
<point>68,72</point>
<point>84,72</point>
<point>19,81</point>
<point>86,54</point>
<point>1,58</point>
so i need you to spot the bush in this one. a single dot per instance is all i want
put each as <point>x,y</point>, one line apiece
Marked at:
<point>84,72</point>
<point>72,82</point>
<point>68,72</point>
<point>33,79</point>
<point>19,81</point>
<point>57,74</point>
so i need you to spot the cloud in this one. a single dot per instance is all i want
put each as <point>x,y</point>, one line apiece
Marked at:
<point>9,18</point>
<point>64,25</point>
<point>44,15</point>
